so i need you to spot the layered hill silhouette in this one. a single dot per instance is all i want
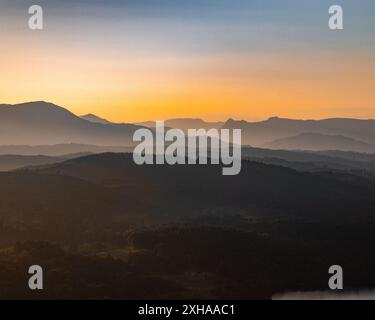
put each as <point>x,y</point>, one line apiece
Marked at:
<point>110,228</point>
<point>106,227</point>
<point>277,133</point>
<point>59,149</point>
<point>259,133</point>
<point>12,162</point>
<point>362,164</point>
<point>318,141</point>
<point>178,190</point>
<point>40,123</point>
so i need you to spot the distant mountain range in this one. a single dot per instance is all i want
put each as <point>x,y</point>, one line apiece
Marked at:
<point>181,123</point>
<point>318,141</point>
<point>42,123</point>
<point>263,132</point>
<point>184,124</point>
<point>37,123</point>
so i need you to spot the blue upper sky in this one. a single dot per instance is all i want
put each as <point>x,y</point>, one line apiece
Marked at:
<point>211,24</point>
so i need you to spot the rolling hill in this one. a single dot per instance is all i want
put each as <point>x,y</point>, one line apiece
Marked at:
<point>105,227</point>
<point>12,162</point>
<point>59,149</point>
<point>176,191</point>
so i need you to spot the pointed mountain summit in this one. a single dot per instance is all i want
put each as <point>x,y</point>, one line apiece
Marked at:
<point>94,118</point>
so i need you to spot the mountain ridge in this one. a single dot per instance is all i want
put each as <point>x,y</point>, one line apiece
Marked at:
<point>42,123</point>
<point>259,133</point>
<point>319,142</point>
<point>94,118</point>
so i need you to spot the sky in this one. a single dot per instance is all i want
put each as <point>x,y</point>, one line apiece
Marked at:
<point>136,60</point>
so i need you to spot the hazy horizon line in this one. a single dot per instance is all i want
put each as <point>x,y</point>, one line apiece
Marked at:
<point>224,120</point>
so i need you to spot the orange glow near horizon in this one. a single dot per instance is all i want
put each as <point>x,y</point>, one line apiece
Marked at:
<point>130,88</point>
<point>130,61</point>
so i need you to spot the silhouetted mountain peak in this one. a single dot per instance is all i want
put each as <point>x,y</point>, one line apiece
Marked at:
<point>232,122</point>
<point>94,118</point>
<point>41,105</point>
<point>35,107</point>
<point>40,122</point>
<point>274,118</point>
